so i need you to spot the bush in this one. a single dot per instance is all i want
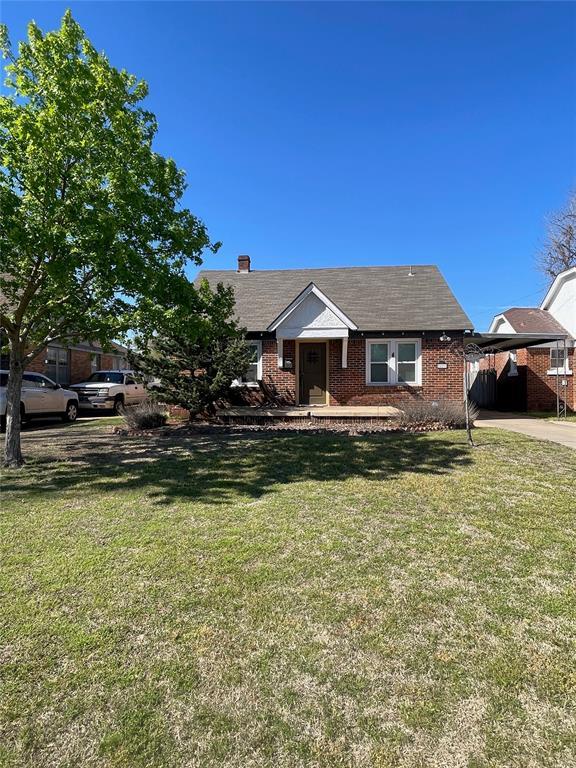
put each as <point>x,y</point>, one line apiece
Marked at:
<point>146,415</point>
<point>446,414</point>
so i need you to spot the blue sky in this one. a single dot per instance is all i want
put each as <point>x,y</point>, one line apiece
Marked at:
<point>326,134</point>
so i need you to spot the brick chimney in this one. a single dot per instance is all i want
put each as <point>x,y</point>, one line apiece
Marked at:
<point>244,263</point>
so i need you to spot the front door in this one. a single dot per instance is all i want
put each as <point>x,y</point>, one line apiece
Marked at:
<point>312,374</point>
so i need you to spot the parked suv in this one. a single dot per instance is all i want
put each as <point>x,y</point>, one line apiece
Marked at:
<point>40,397</point>
<point>110,390</point>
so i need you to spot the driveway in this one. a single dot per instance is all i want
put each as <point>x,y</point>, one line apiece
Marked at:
<point>565,433</point>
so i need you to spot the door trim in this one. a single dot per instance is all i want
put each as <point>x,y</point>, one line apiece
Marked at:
<point>327,377</point>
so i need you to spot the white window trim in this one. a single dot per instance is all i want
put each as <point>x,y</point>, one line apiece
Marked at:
<point>392,361</point>
<point>559,372</point>
<point>562,370</point>
<point>252,384</point>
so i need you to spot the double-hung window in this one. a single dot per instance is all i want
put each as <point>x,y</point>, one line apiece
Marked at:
<point>558,360</point>
<point>254,373</point>
<point>393,361</point>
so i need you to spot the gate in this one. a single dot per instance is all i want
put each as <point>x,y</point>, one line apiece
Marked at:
<point>483,388</point>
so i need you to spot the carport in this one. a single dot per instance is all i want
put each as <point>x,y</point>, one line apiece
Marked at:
<point>482,383</point>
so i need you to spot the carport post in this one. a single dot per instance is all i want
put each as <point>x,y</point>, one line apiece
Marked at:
<point>558,381</point>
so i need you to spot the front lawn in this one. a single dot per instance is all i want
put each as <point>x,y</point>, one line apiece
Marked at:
<point>274,601</point>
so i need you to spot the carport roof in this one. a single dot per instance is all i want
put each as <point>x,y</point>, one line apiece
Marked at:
<point>503,342</point>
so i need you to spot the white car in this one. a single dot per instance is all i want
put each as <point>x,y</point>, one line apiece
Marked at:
<point>40,397</point>
<point>110,390</point>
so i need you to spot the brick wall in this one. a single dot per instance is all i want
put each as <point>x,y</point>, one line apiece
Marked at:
<point>533,389</point>
<point>80,366</point>
<point>347,386</point>
<point>541,387</point>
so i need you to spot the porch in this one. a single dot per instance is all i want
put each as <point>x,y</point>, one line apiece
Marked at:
<point>300,413</point>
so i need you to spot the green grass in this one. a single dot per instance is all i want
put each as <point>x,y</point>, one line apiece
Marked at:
<point>551,415</point>
<point>286,601</point>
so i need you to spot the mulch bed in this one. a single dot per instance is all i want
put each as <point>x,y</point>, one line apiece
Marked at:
<point>180,429</point>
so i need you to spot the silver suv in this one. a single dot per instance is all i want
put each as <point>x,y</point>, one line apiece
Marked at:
<point>110,390</point>
<point>40,397</point>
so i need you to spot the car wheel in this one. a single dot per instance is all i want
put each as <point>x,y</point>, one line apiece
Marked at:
<point>71,412</point>
<point>118,406</point>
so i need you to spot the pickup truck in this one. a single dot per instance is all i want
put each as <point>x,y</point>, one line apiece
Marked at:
<point>40,397</point>
<point>110,391</point>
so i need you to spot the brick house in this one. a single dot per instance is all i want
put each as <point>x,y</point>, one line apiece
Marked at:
<point>71,363</point>
<point>347,336</point>
<point>532,379</point>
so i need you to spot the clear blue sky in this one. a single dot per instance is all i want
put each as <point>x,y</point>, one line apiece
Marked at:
<point>325,134</point>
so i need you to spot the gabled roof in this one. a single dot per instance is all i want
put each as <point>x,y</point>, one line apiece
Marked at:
<point>560,278</point>
<point>311,289</point>
<point>372,298</point>
<point>532,320</point>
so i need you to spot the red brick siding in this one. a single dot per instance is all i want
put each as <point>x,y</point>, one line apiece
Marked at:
<point>535,389</point>
<point>347,386</point>
<point>37,365</point>
<point>541,387</point>
<point>79,361</point>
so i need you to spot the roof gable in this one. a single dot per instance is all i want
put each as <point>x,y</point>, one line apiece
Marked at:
<point>311,311</point>
<point>532,320</point>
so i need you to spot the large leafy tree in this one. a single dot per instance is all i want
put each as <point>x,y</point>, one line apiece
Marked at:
<point>92,235</point>
<point>197,351</point>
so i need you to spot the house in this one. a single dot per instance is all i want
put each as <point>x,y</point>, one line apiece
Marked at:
<point>532,379</point>
<point>347,336</point>
<point>71,363</point>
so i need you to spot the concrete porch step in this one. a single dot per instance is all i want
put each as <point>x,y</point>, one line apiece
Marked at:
<point>308,412</point>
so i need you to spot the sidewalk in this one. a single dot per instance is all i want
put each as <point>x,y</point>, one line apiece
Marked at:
<point>541,429</point>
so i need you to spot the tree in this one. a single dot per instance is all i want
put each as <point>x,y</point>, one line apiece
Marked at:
<point>92,236</point>
<point>197,352</point>
<point>559,252</point>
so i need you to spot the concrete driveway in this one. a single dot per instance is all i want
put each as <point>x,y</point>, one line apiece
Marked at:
<point>564,433</point>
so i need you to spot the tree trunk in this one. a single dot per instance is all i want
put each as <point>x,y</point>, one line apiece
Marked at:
<point>12,450</point>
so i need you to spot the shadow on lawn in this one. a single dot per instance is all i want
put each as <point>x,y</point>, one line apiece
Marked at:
<point>216,469</point>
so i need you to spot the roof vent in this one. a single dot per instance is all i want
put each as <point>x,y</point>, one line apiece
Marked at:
<point>244,263</point>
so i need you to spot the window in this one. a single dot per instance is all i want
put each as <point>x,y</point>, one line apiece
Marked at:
<point>57,364</point>
<point>107,377</point>
<point>130,380</point>
<point>407,362</point>
<point>378,363</point>
<point>254,373</point>
<point>36,381</point>
<point>30,381</point>
<point>393,361</point>
<point>558,360</point>
<point>95,362</point>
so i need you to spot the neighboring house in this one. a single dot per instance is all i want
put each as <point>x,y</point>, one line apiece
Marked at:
<point>530,379</point>
<point>71,363</point>
<point>347,336</point>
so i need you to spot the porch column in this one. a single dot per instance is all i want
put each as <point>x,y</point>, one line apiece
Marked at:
<point>280,353</point>
<point>345,352</point>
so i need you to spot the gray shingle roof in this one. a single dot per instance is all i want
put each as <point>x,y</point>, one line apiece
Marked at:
<point>533,320</point>
<point>374,298</point>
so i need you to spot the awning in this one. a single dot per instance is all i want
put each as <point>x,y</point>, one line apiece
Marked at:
<point>503,342</point>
